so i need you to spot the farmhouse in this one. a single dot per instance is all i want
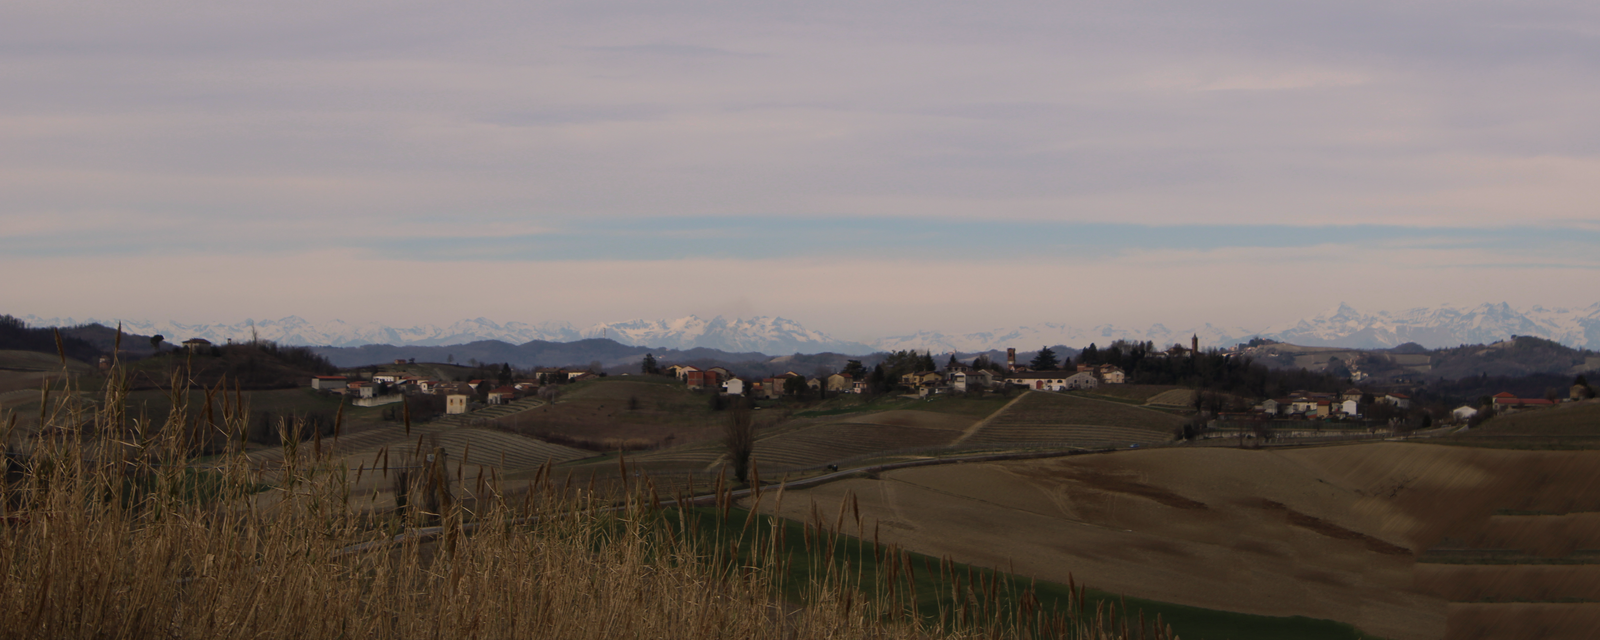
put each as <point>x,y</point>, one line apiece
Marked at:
<point>196,345</point>
<point>963,381</point>
<point>455,403</point>
<point>1053,380</point>
<point>1111,374</point>
<point>1506,401</point>
<point>1398,399</point>
<point>681,371</point>
<point>328,383</point>
<point>733,387</point>
<point>921,378</point>
<point>698,379</point>
<point>502,395</point>
<point>840,382</point>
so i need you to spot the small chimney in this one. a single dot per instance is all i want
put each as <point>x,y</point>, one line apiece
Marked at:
<point>1011,359</point>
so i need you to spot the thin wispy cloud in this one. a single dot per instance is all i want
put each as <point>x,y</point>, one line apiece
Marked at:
<point>1445,143</point>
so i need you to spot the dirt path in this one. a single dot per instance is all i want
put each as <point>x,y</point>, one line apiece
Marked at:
<point>976,426</point>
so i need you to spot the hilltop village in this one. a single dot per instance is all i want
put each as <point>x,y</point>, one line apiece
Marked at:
<point>909,374</point>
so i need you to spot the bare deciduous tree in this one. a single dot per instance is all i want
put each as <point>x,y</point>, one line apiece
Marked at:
<point>740,440</point>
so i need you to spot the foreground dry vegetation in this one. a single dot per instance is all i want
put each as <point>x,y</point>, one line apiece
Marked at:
<point>113,529</point>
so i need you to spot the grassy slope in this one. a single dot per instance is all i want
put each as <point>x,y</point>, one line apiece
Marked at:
<point>1575,419</point>
<point>1054,417</point>
<point>859,435</point>
<point>1137,393</point>
<point>933,589</point>
<point>960,405</point>
<point>598,409</point>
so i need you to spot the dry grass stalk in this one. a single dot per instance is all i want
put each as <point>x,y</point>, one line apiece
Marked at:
<point>114,529</point>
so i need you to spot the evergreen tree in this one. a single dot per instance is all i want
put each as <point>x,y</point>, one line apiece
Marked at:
<point>1045,361</point>
<point>649,366</point>
<point>854,369</point>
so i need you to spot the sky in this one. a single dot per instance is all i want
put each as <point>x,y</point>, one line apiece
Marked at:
<point>865,168</point>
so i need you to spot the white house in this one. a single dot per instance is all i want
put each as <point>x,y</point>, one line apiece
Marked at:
<point>1350,408</point>
<point>962,381</point>
<point>1464,413</point>
<point>1053,380</point>
<point>733,387</point>
<point>1082,380</point>
<point>455,403</point>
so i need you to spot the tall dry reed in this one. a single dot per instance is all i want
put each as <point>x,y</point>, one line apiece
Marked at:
<point>115,527</point>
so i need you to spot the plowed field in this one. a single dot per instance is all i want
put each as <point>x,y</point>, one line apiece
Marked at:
<point>1327,532</point>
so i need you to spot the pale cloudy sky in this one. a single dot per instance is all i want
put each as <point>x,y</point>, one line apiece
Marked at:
<point>866,168</point>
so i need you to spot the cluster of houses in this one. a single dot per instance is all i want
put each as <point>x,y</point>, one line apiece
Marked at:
<point>459,396</point>
<point>1313,404</point>
<point>1507,402</point>
<point>1347,404</point>
<point>956,378</point>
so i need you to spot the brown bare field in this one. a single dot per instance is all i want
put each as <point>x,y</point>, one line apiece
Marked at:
<point>1511,582</point>
<point>1479,621</point>
<point>1324,532</point>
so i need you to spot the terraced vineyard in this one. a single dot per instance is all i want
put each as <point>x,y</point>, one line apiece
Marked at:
<point>691,457</point>
<point>1173,398</point>
<point>506,451</point>
<point>491,412</point>
<point>1064,419</point>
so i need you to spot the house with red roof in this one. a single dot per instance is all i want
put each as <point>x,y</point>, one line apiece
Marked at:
<point>1506,402</point>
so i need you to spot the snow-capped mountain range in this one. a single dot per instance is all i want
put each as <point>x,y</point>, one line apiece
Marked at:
<point>1343,326</point>
<point>762,333</point>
